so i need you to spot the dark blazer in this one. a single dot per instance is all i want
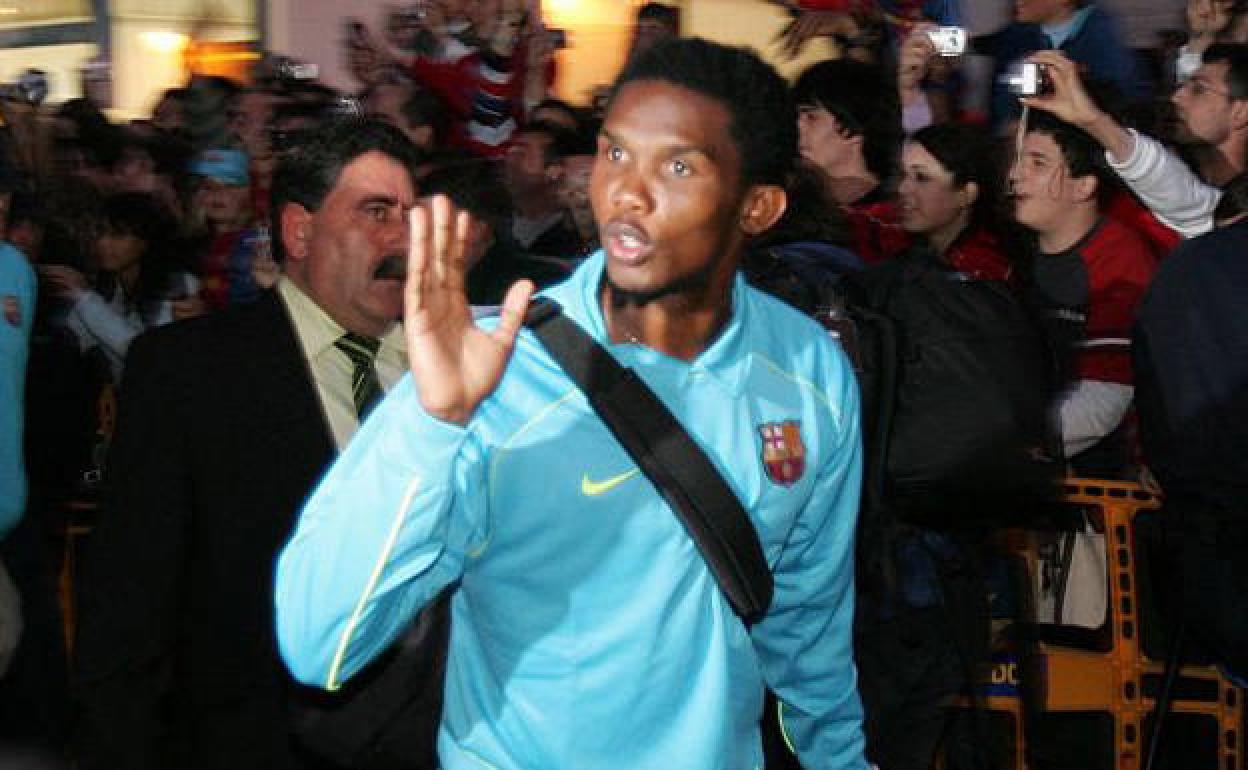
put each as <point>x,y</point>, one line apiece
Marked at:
<point>220,438</point>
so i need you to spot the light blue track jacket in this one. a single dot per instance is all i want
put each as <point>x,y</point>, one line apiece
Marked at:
<point>17,314</point>
<point>587,631</point>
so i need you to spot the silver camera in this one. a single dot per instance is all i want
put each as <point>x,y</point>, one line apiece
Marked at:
<point>1028,79</point>
<point>949,41</point>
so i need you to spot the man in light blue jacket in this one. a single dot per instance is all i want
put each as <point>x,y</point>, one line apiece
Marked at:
<point>587,631</point>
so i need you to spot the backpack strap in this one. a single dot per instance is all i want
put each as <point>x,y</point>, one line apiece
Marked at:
<point>696,492</point>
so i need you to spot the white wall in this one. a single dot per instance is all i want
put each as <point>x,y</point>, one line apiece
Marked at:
<point>61,62</point>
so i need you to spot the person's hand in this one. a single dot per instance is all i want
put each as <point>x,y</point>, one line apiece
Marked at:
<point>265,270</point>
<point>1206,18</point>
<point>812,24</point>
<point>913,57</point>
<point>187,307</point>
<point>1068,99</point>
<point>455,364</point>
<point>65,281</point>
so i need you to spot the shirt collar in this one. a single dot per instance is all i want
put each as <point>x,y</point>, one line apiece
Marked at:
<point>1062,31</point>
<point>318,331</point>
<point>724,361</point>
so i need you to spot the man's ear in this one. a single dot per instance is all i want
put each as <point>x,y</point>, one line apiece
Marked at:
<point>1239,114</point>
<point>764,205</point>
<point>296,222</point>
<point>1086,187</point>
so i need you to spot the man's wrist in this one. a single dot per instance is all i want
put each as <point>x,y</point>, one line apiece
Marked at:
<point>1116,140</point>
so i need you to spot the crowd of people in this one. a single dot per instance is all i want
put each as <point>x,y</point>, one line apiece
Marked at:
<point>278,330</point>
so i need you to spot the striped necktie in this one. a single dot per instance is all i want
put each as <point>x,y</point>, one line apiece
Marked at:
<point>365,387</point>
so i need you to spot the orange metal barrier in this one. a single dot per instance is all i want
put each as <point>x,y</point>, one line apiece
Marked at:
<point>1112,678</point>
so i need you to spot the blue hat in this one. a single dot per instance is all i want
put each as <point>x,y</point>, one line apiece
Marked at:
<point>222,164</point>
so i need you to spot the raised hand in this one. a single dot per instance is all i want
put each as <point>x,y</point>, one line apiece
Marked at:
<point>455,364</point>
<point>64,281</point>
<point>1068,99</point>
<point>1070,102</point>
<point>912,58</point>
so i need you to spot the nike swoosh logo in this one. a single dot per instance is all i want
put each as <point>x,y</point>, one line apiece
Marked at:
<point>591,488</point>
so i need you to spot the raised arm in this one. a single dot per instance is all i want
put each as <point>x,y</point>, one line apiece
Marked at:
<point>1163,182</point>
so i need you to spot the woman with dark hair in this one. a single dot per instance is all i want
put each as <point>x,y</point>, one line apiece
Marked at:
<point>137,284</point>
<point>922,619</point>
<point>949,197</point>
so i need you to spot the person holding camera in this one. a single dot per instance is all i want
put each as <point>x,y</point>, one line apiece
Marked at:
<point>1081,29</point>
<point>1088,274</point>
<point>1212,107</point>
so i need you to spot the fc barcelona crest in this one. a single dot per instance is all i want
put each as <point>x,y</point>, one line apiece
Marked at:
<point>784,454</point>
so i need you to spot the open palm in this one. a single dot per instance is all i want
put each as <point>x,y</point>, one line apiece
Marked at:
<point>455,364</point>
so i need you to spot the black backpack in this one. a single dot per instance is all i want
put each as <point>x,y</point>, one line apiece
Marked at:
<point>956,381</point>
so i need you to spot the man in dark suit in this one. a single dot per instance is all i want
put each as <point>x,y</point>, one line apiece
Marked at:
<point>225,424</point>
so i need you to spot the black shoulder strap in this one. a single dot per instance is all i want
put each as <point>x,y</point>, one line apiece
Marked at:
<point>710,511</point>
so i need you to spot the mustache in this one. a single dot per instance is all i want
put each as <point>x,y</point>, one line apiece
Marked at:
<point>393,266</point>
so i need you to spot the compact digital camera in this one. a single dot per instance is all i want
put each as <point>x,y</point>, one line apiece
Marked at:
<point>949,41</point>
<point>1028,79</point>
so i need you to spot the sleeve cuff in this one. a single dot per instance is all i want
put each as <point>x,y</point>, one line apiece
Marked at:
<point>1132,160</point>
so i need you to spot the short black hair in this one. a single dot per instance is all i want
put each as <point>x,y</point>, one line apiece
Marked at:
<point>423,108</point>
<point>667,15</point>
<point>1236,57</point>
<point>475,186</point>
<point>559,105</point>
<point>763,121</point>
<point>864,101</point>
<point>561,144</point>
<point>308,171</point>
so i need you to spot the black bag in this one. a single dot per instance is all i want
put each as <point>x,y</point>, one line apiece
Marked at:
<point>386,717</point>
<point>957,379</point>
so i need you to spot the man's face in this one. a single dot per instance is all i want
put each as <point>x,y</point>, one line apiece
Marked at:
<point>249,119</point>
<point>335,252</point>
<point>524,166</point>
<point>574,187</point>
<point>823,141</point>
<point>223,206</point>
<point>667,191</point>
<point>1041,11</point>
<point>1041,185</point>
<point>1203,105</point>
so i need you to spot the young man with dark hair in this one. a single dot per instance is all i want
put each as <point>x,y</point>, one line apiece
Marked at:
<point>533,170</point>
<point>492,260</point>
<point>849,122</point>
<point>588,630</point>
<point>1088,276</point>
<point>224,425</point>
<point>1212,108</point>
<point>850,127</point>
